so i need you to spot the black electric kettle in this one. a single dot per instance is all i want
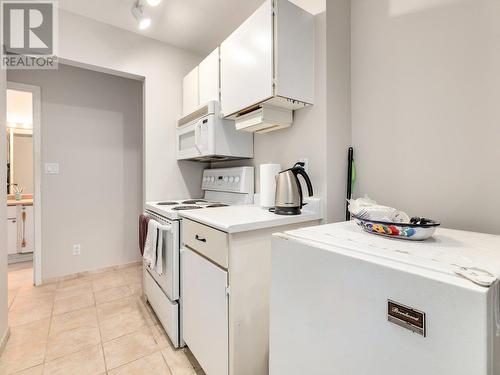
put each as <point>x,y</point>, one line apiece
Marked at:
<point>289,197</point>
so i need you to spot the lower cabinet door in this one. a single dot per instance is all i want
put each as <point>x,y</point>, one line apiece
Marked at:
<point>205,312</point>
<point>26,220</point>
<point>11,236</point>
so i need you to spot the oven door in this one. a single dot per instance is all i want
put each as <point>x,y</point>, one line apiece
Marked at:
<point>169,280</point>
<point>194,140</point>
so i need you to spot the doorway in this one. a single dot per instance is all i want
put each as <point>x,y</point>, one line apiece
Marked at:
<point>23,181</point>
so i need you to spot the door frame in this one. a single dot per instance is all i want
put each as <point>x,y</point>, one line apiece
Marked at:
<point>37,173</point>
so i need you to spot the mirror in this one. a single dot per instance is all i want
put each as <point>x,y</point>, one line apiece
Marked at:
<point>20,160</point>
<point>19,134</point>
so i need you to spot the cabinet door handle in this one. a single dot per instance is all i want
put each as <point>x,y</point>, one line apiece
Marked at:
<point>23,216</point>
<point>201,239</point>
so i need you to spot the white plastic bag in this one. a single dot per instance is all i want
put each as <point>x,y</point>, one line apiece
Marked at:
<point>368,209</point>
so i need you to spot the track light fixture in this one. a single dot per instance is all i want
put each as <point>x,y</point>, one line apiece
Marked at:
<point>154,3</point>
<point>138,12</point>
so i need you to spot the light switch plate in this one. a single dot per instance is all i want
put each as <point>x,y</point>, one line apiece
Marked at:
<point>51,168</point>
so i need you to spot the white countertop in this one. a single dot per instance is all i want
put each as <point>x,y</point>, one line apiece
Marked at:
<point>234,219</point>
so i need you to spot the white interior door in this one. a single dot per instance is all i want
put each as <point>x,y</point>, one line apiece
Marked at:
<point>205,312</point>
<point>247,62</point>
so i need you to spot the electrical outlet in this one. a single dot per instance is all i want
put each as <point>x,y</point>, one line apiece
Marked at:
<point>306,164</point>
<point>77,249</point>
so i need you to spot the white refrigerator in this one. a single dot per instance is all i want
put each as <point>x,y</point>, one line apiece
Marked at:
<point>345,302</point>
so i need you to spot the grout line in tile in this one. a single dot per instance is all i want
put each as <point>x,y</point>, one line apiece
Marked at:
<point>100,336</point>
<point>165,360</point>
<point>48,334</point>
<point>101,343</point>
<point>142,356</point>
<point>26,369</point>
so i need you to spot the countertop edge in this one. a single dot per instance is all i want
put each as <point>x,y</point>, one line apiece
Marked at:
<point>240,228</point>
<point>19,203</point>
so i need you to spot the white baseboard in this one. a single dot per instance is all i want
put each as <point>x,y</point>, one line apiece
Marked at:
<point>89,273</point>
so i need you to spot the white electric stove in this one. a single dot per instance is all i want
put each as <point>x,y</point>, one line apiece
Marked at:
<point>222,187</point>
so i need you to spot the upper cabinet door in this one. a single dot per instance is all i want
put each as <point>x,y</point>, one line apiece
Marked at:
<point>190,92</point>
<point>247,62</point>
<point>209,78</point>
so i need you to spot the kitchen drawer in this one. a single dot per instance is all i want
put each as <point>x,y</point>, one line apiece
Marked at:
<point>166,310</point>
<point>209,242</point>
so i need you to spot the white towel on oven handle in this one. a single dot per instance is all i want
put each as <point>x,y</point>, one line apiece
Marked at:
<point>159,248</point>
<point>153,254</point>
<point>150,246</point>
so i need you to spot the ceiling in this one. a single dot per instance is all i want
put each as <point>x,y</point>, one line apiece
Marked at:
<point>195,25</point>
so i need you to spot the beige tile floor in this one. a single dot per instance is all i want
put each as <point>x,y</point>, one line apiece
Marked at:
<point>95,324</point>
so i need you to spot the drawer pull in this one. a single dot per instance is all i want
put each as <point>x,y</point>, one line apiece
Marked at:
<point>198,238</point>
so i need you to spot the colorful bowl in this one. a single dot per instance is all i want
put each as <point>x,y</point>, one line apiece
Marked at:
<point>404,231</point>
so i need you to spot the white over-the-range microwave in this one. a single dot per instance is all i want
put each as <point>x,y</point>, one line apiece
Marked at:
<point>205,136</point>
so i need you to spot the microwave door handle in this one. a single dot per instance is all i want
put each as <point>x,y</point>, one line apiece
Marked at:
<point>197,133</point>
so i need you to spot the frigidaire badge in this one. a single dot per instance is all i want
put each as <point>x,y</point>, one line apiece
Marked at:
<point>406,317</point>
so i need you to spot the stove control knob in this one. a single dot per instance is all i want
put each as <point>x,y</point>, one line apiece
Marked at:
<point>212,179</point>
<point>237,179</point>
<point>231,179</point>
<point>226,179</point>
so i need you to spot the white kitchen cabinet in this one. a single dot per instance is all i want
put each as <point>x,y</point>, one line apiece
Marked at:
<point>190,92</point>
<point>20,229</point>
<point>208,74</point>
<point>247,62</point>
<point>269,58</point>
<point>225,294</point>
<point>205,312</point>
<point>26,229</point>
<point>12,235</point>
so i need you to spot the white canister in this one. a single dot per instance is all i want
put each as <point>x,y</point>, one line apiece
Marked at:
<point>268,173</point>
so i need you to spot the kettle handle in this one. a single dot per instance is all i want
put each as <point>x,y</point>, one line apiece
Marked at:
<point>298,169</point>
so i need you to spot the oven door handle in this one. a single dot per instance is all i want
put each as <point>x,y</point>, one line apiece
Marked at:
<point>165,228</point>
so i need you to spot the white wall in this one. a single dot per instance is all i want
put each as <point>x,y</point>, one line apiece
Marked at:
<point>90,42</point>
<point>3,208</point>
<point>322,132</point>
<point>307,136</point>
<point>92,126</point>
<point>425,112</point>
<point>338,135</point>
